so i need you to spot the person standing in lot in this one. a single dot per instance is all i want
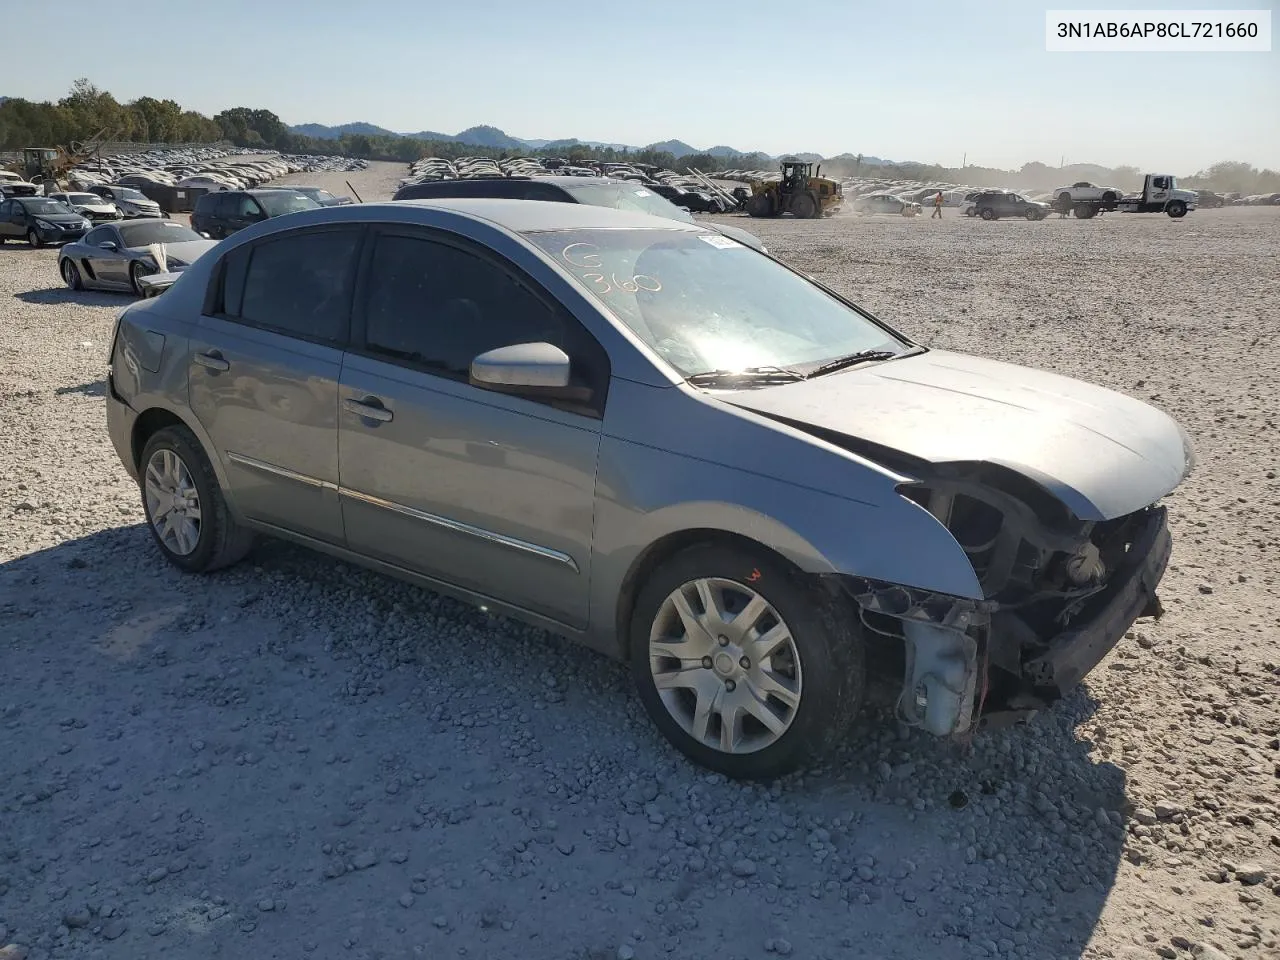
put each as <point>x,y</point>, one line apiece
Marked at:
<point>937,205</point>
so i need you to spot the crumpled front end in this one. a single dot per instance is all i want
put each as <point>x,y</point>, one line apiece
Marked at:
<point>1058,594</point>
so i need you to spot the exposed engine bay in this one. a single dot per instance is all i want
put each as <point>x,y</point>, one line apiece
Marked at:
<point>1058,593</point>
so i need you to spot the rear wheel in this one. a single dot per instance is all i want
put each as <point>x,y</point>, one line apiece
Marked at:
<point>742,665</point>
<point>1084,211</point>
<point>185,509</point>
<point>803,206</point>
<point>71,274</point>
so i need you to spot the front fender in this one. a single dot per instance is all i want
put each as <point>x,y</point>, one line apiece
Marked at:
<point>823,509</point>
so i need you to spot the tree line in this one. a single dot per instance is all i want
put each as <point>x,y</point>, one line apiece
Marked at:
<point>87,112</point>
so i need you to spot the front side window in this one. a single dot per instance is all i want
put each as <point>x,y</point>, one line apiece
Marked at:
<point>437,306</point>
<point>96,237</point>
<point>300,285</point>
<point>706,303</point>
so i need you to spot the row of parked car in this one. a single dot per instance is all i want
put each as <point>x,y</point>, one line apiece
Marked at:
<point>683,191</point>
<point>210,170</point>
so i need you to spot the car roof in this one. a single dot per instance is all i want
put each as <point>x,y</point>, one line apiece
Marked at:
<point>518,216</point>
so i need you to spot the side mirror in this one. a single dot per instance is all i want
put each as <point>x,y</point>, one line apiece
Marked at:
<point>523,366</point>
<point>109,245</point>
<point>205,235</point>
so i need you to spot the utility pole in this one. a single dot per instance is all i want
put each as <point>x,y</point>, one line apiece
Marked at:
<point>965,161</point>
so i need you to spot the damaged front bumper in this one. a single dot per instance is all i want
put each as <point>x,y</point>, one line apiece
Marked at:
<point>973,663</point>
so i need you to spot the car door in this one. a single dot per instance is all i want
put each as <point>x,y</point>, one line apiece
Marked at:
<point>488,491</point>
<point>7,226</point>
<point>264,371</point>
<point>111,265</point>
<point>243,212</point>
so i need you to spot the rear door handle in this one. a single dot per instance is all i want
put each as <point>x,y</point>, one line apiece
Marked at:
<point>213,360</point>
<point>370,408</point>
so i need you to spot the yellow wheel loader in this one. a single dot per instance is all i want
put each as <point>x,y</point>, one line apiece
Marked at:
<point>800,191</point>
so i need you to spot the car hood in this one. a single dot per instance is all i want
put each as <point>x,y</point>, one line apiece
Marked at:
<point>186,251</point>
<point>62,219</point>
<point>1102,453</point>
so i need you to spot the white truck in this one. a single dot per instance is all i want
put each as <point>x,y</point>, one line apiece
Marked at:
<point>1160,194</point>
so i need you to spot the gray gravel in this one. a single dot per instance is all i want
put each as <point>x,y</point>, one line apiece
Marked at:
<point>296,758</point>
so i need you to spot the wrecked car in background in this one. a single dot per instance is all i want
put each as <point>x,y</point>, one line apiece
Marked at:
<point>647,436</point>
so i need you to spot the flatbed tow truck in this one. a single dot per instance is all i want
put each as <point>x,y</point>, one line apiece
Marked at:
<point>1160,194</point>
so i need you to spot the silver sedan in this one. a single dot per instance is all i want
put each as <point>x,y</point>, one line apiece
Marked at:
<point>643,434</point>
<point>119,256</point>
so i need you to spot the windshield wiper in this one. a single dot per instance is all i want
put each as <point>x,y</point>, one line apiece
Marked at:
<point>839,363</point>
<point>749,375</point>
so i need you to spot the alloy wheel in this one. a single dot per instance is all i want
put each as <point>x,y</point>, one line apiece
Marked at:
<point>725,665</point>
<point>173,503</point>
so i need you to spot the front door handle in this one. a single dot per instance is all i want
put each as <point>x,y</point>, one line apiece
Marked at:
<point>213,360</point>
<point>370,408</point>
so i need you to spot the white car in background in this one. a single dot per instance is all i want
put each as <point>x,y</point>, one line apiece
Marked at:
<point>1084,190</point>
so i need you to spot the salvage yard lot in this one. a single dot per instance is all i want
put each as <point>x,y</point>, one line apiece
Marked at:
<point>295,757</point>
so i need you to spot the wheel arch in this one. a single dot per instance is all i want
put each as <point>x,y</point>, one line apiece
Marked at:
<point>670,545</point>
<point>155,417</point>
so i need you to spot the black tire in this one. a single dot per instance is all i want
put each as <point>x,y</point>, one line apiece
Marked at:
<point>1109,198</point>
<point>71,274</point>
<point>988,214</point>
<point>33,240</point>
<point>760,205</point>
<point>828,643</point>
<point>221,541</point>
<point>1064,198</point>
<point>1032,213</point>
<point>803,207</point>
<point>1085,211</point>
<point>1177,209</point>
<point>135,270</point>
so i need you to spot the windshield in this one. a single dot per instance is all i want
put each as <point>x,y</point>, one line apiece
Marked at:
<point>707,303</point>
<point>135,195</point>
<point>627,196</point>
<point>278,204</point>
<point>85,198</point>
<point>44,207</point>
<point>162,231</point>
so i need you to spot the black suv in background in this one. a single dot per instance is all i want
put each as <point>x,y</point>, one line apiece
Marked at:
<point>596,191</point>
<point>218,215</point>
<point>994,204</point>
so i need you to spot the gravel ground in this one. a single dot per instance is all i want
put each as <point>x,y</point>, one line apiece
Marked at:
<point>296,757</point>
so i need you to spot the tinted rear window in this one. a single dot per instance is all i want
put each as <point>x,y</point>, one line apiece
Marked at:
<point>301,284</point>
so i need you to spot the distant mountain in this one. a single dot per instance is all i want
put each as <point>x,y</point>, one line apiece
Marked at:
<point>320,132</point>
<point>494,138</point>
<point>676,147</point>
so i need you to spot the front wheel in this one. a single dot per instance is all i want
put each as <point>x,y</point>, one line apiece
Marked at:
<point>1177,209</point>
<point>33,239</point>
<point>988,214</point>
<point>71,274</point>
<point>742,665</point>
<point>135,272</point>
<point>185,509</point>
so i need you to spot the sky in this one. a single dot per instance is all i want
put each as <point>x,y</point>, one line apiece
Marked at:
<point>939,81</point>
